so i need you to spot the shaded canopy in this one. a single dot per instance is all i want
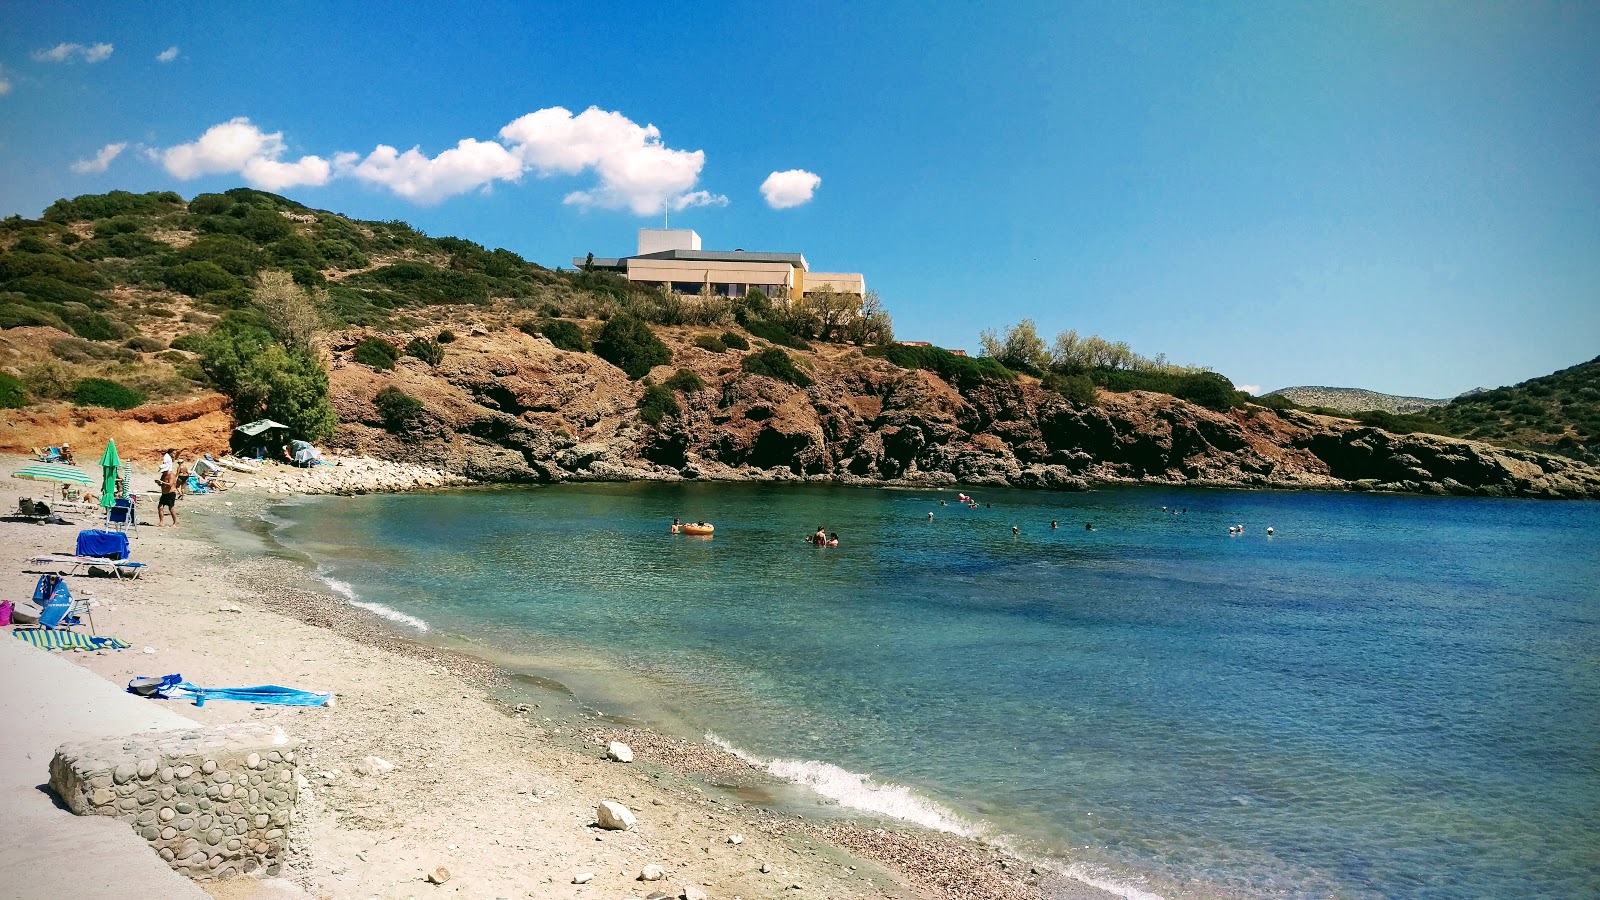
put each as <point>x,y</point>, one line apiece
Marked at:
<point>254,428</point>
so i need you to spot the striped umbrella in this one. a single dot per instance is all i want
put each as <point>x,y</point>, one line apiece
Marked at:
<point>54,472</point>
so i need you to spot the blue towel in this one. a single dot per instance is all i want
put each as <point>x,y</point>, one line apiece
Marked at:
<point>170,687</point>
<point>58,639</point>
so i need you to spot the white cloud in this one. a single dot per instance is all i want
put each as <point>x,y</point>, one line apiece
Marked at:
<point>1253,389</point>
<point>5,83</point>
<point>62,53</point>
<point>636,170</point>
<point>794,187</point>
<point>470,165</point>
<point>238,146</point>
<point>100,160</point>
<point>167,55</point>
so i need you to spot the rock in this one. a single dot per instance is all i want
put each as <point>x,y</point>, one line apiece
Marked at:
<point>439,875</point>
<point>619,752</point>
<point>583,878</point>
<point>766,868</point>
<point>652,872</point>
<point>374,765</point>
<point>690,892</point>
<point>613,816</point>
<point>735,838</point>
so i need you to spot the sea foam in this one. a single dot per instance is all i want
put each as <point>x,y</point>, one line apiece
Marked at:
<point>856,791</point>
<point>343,589</point>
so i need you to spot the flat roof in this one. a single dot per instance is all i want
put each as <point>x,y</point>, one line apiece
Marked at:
<point>794,259</point>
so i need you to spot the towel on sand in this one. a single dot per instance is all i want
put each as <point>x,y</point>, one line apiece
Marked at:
<point>60,639</point>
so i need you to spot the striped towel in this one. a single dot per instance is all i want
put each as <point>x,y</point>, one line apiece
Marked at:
<point>61,639</point>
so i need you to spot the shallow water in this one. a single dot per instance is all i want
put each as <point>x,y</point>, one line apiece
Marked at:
<point>1392,696</point>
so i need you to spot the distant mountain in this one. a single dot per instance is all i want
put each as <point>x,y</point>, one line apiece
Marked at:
<point>1352,400</point>
<point>1559,412</point>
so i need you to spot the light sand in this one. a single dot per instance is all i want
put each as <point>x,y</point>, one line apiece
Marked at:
<point>504,798</point>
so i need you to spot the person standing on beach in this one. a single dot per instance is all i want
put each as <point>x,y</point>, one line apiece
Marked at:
<point>168,480</point>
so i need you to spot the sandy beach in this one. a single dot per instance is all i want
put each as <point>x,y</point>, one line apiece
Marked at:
<point>500,791</point>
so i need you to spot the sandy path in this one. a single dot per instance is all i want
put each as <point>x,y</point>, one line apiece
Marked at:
<point>504,798</point>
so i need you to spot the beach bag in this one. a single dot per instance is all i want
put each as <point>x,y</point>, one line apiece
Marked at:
<point>5,612</point>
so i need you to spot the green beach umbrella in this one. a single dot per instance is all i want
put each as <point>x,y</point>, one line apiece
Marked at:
<point>54,472</point>
<point>110,463</point>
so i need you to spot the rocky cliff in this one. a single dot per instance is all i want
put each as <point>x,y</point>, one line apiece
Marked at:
<point>504,406</point>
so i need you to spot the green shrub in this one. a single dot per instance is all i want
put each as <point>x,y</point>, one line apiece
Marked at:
<point>735,340</point>
<point>1400,423</point>
<point>1076,389</point>
<point>685,380</point>
<point>115,203</point>
<point>962,371</point>
<point>1207,389</point>
<point>375,352</point>
<point>446,337</point>
<point>628,343</point>
<point>775,363</point>
<point>13,395</point>
<point>194,342</point>
<point>265,379</point>
<point>13,315</point>
<point>711,343</point>
<point>657,403</point>
<point>145,344</point>
<point>397,407</point>
<point>565,335</point>
<point>197,278</point>
<point>47,289</point>
<point>106,393</point>
<point>428,351</point>
<point>775,333</point>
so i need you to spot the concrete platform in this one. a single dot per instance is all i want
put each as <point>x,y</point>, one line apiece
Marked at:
<point>48,852</point>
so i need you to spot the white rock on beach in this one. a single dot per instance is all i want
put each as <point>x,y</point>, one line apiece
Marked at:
<point>652,872</point>
<point>690,892</point>
<point>613,816</point>
<point>374,765</point>
<point>619,752</point>
<point>583,878</point>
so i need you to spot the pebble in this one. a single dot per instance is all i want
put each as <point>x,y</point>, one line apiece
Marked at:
<point>583,878</point>
<point>652,872</point>
<point>439,875</point>
<point>735,838</point>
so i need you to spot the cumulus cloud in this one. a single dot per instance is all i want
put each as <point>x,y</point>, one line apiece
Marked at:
<point>1252,389</point>
<point>99,161</point>
<point>636,170</point>
<point>794,187</point>
<point>470,165</point>
<point>167,55</point>
<point>63,53</point>
<point>239,146</point>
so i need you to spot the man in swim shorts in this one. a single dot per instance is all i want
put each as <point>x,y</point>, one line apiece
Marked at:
<point>168,505</point>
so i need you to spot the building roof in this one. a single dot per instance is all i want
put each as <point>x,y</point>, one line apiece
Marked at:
<point>794,259</point>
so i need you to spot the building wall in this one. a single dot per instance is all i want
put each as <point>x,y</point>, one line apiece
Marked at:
<point>655,240</point>
<point>700,272</point>
<point>843,282</point>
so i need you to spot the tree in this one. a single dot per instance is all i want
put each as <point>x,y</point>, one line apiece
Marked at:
<point>265,379</point>
<point>872,325</point>
<point>1021,349</point>
<point>628,343</point>
<point>293,314</point>
<point>831,311</point>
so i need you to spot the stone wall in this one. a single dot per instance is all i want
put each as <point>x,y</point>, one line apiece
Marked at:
<point>213,802</point>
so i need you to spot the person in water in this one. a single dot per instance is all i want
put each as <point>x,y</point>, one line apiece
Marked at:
<point>833,539</point>
<point>821,537</point>
<point>1088,526</point>
<point>1015,531</point>
<point>930,517</point>
<point>676,525</point>
<point>1053,525</point>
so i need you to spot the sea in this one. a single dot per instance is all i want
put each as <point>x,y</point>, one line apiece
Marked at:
<point>1385,696</point>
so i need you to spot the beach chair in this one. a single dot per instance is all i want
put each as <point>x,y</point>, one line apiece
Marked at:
<point>57,608</point>
<point>48,454</point>
<point>67,564</point>
<point>121,514</point>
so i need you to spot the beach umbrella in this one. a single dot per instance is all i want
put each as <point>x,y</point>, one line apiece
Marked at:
<point>110,463</point>
<point>54,472</point>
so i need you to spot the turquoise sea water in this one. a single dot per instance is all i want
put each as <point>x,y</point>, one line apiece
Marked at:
<point>1391,696</point>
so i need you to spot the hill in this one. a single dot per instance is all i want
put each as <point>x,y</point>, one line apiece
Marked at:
<point>160,321</point>
<point>1559,413</point>
<point>1353,400</point>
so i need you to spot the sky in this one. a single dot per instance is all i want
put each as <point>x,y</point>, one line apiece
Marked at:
<point>1398,196</point>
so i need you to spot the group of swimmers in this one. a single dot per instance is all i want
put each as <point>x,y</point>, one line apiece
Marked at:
<point>823,539</point>
<point>1239,529</point>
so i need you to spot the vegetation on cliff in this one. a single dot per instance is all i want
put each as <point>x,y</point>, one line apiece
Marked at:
<point>1559,412</point>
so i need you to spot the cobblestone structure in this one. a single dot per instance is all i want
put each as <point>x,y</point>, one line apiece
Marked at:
<point>213,802</point>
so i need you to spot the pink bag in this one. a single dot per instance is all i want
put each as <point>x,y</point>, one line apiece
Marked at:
<point>5,612</point>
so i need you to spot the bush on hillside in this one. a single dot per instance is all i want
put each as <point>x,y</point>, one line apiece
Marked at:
<point>198,278</point>
<point>685,380</point>
<point>115,203</point>
<point>397,407</point>
<point>145,344</point>
<point>774,363</point>
<point>565,335</point>
<point>710,342</point>
<point>735,340</point>
<point>1076,389</point>
<point>775,333</point>
<point>628,343</point>
<point>265,379</point>
<point>1401,423</point>
<point>13,395</point>
<point>961,371</point>
<point>657,403</point>
<point>375,352</point>
<point>446,337</point>
<point>428,351</point>
<point>106,393</point>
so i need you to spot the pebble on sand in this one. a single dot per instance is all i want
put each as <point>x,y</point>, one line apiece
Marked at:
<point>439,875</point>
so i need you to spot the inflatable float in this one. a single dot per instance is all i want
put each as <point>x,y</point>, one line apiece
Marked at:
<point>699,528</point>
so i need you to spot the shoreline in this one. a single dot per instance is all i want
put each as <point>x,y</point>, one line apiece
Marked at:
<point>227,615</point>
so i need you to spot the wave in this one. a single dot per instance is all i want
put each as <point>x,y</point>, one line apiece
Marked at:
<point>862,792</point>
<point>343,589</point>
<point>856,791</point>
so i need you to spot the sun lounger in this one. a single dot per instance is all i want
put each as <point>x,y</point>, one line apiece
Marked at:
<point>67,564</point>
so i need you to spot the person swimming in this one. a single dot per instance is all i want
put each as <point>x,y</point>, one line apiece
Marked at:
<point>1088,526</point>
<point>1015,531</point>
<point>833,539</point>
<point>676,525</point>
<point>1269,531</point>
<point>1053,525</point>
<point>930,517</point>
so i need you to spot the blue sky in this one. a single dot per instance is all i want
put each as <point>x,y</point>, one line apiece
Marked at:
<point>1398,196</point>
